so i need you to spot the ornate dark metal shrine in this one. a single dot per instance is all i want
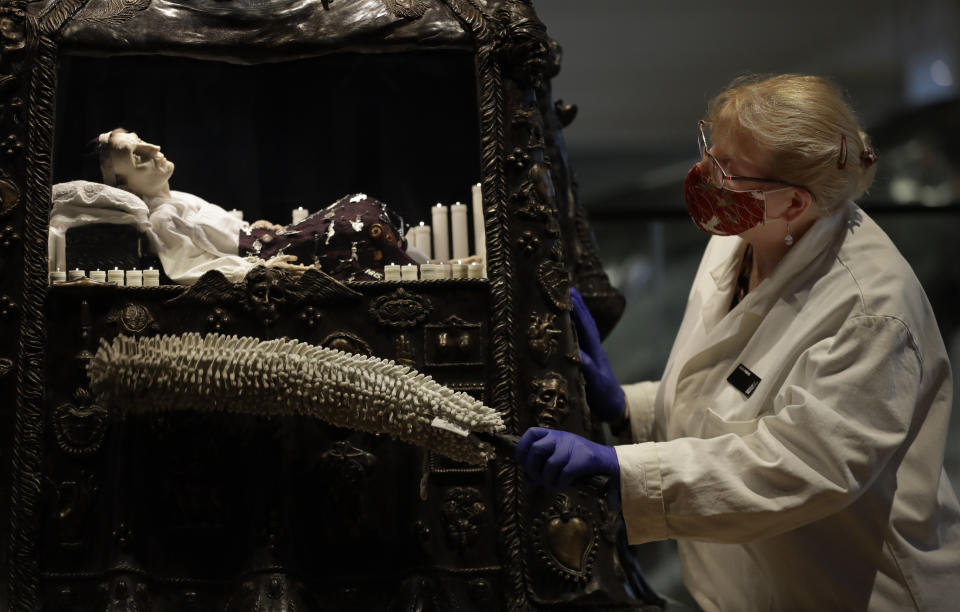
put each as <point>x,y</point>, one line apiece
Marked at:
<point>216,511</point>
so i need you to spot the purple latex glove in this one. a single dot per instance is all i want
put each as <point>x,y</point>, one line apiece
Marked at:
<point>604,395</point>
<point>555,458</point>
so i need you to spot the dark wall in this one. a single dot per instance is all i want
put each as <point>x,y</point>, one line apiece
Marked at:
<point>270,137</point>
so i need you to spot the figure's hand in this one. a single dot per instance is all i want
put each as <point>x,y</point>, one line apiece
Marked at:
<point>604,395</point>
<point>555,458</point>
<point>267,225</point>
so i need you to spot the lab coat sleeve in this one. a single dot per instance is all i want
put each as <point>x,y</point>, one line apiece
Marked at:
<point>640,399</point>
<point>844,408</point>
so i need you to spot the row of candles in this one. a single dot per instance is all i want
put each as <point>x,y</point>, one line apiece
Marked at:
<point>129,278</point>
<point>432,271</point>
<point>434,240</point>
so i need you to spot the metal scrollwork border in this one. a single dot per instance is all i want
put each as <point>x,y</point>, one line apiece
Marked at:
<point>24,569</point>
<point>488,35</point>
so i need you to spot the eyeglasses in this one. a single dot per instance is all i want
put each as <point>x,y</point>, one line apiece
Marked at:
<point>722,178</point>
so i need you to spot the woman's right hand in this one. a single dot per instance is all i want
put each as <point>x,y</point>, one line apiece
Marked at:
<point>604,395</point>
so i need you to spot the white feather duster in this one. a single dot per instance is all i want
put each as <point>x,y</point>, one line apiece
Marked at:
<point>216,373</point>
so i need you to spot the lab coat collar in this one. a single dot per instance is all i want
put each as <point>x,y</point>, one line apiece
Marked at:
<point>821,240</point>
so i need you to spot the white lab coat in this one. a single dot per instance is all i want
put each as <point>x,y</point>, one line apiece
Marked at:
<point>825,489</point>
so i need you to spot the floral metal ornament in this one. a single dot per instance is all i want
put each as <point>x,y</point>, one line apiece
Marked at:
<point>566,540</point>
<point>219,320</point>
<point>8,307</point>
<point>464,512</point>
<point>8,237</point>
<point>528,243</point>
<point>11,145</point>
<point>311,316</point>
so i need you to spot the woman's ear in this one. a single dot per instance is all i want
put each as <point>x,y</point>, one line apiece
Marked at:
<point>800,201</point>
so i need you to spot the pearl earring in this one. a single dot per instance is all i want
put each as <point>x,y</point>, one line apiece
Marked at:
<point>788,239</point>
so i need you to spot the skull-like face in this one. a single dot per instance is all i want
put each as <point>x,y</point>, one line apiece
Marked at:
<point>269,290</point>
<point>549,399</point>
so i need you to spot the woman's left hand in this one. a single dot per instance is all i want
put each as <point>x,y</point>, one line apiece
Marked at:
<point>555,458</point>
<point>604,394</point>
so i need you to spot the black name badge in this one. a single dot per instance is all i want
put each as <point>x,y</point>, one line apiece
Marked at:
<point>744,380</point>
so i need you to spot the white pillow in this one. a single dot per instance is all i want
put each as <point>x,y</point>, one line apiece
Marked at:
<point>97,195</point>
<point>84,203</point>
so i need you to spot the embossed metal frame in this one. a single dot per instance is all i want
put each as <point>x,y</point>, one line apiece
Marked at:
<point>41,32</point>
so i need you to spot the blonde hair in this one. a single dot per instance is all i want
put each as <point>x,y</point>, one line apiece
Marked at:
<point>808,128</point>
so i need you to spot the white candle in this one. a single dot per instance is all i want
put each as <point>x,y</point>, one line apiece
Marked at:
<point>75,275</point>
<point>98,275</point>
<point>441,232</point>
<point>58,276</point>
<point>474,270</point>
<point>299,214</point>
<point>237,213</point>
<point>423,240</point>
<point>443,270</point>
<point>458,228</point>
<point>134,278</point>
<point>458,270</point>
<point>408,272</point>
<point>411,237</point>
<point>479,230</point>
<point>151,278</point>
<point>115,276</point>
<point>428,271</point>
<point>391,272</point>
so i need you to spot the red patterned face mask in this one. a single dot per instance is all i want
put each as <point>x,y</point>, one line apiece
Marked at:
<point>720,211</point>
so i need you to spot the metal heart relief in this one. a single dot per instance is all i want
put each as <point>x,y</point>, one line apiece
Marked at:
<point>570,540</point>
<point>566,540</point>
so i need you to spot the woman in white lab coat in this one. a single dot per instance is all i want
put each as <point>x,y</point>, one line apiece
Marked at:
<point>794,444</point>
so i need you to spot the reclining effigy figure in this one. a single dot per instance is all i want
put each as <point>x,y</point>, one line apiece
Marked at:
<point>351,239</point>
